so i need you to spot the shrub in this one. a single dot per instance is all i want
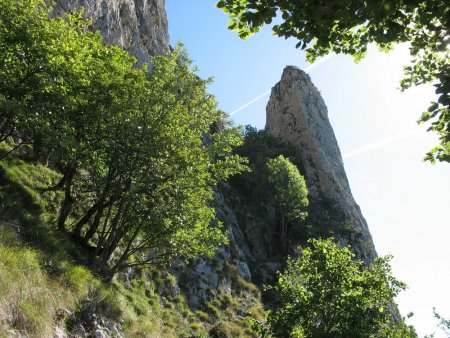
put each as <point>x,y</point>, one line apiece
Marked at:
<point>226,330</point>
<point>80,280</point>
<point>327,293</point>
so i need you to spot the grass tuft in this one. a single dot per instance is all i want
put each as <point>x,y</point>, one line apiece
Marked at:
<point>28,299</point>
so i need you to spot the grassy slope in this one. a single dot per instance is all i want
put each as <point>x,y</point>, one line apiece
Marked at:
<point>42,275</point>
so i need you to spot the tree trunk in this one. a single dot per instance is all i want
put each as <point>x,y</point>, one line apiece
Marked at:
<point>102,237</point>
<point>96,208</point>
<point>4,129</point>
<point>65,211</point>
<point>57,186</point>
<point>87,216</point>
<point>109,244</point>
<point>283,239</point>
<point>68,199</point>
<point>93,228</point>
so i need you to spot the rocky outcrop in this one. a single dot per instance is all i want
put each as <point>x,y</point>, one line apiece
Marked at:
<point>297,114</point>
<point>137,26</point>
<point>203,278</point>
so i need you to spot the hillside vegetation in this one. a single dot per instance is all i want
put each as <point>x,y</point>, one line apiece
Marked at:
<point>96,180</point>
<point>135,193</point>
<point>47,285</point>
<point>110,179</point>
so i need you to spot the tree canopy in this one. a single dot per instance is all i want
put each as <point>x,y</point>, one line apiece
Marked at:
<point>327,293</point>
<point>290,194</point>
<point>350,26</point>
<point>259,147</point>
<point>134,145</point>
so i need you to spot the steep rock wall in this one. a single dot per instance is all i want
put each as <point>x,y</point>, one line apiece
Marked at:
<point>137,26</point>
<point>297,114</point>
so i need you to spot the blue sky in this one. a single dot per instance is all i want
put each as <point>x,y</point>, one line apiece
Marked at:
<point>403,199</point>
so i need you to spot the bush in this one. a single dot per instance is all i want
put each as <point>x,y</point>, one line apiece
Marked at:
<point>326,293</point>
<point>110,304</point>
<point>226,330</point>
<point>80,280</point>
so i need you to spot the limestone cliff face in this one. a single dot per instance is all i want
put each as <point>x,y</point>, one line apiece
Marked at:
<point>137,26</point>
<point>296,113</point>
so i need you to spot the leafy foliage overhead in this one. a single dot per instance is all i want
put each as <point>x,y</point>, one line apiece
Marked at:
<point>349,26</point>
<point>444,324</point>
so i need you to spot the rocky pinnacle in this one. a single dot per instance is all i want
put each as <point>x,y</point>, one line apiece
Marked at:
<point>296,113</point>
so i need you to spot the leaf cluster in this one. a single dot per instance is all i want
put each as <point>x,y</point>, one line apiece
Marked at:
<point>290,191</point>
<point>349,26</point>
<point>327,293</point>
<point>444,324</point>
<point>258,147</point>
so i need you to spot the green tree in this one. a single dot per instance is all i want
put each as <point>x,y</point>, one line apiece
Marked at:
<point>350,26</point>
<point>165,173</point>
<point>290,194</point>
<point>61,89</point>
<point>327,293</point>
<point>138,160</point>
<point>259,147</point>
<point>160,164</point>
<point>26,73</point>
<point>151,199</point>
